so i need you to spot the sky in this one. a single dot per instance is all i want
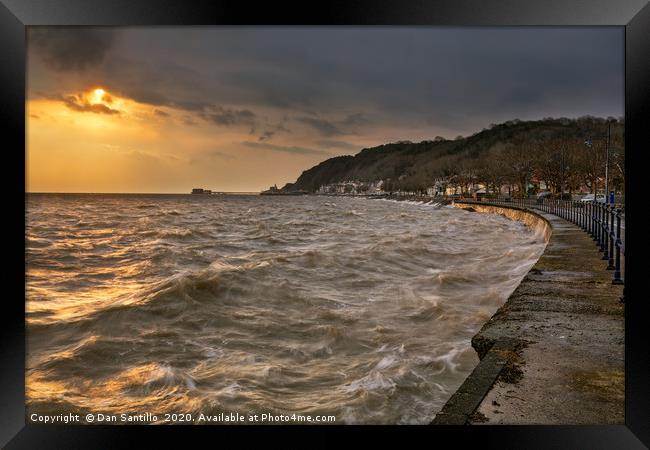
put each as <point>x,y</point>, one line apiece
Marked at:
<point>237,109</point>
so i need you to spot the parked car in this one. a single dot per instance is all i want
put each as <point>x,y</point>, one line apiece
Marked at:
<point>541,196</point>
<point>600,198</point>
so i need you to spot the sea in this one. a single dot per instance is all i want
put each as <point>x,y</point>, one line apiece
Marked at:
<point>177,306</point>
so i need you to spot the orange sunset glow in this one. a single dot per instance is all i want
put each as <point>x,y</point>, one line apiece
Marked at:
<point>313,225</point>
<point>97,141</point>
<point>164,110</point>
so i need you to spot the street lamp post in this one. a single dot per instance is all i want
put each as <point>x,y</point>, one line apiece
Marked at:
<point>607,139</point>
<point>609,133</point>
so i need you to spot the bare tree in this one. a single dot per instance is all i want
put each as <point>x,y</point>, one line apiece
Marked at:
<point>493,171</point>
<point>557,163</point>
<point>519,161</point>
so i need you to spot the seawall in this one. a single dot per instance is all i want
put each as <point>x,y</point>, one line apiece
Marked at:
<point>554,352</point>
<point>535,221</point>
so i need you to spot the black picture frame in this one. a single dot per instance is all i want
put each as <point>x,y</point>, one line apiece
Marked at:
<point>15,15</point>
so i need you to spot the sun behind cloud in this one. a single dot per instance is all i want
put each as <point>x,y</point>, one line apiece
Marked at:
<point>99,95</point>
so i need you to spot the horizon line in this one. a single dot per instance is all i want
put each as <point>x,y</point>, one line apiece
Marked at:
<point>142,193</point>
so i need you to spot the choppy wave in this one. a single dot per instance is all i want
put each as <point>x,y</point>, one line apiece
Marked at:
<point>359,308</point>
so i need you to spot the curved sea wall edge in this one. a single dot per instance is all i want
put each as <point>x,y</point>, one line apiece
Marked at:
<point>534,221</point>
<point>495,355</point>
<point>537,224</point>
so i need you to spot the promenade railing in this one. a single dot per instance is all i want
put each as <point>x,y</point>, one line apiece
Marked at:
<point>604,223</point>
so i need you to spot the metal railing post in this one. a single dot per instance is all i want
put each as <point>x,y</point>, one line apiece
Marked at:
<point>601,221</point>
<point>605,245</point>
<point>596,223</point>
<point>566,209</point>
<point>610,262</point>
<point>600,228</point>
<point>574,212</point>
<point>617,266</point>
<point>581,218</point>
<point>594,228</point>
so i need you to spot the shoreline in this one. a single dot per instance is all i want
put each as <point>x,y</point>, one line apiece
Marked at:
<point>553,353</point>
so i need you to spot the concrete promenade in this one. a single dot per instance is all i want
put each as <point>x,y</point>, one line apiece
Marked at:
<point>554,352</point>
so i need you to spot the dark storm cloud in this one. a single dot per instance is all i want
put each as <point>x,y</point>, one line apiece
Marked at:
<point>266,136</point>
<point>228,117</point>
<point>158,83</point>
<point>272,130</point>
<point>356,119</point>
<point>285,149</point>
<point>458,79</point>
<point>77,103</point>
<point>70,49</point>
<point>327,128</point>
<point>268,87</point>
<point>324,127</point>
<point>330,143</point>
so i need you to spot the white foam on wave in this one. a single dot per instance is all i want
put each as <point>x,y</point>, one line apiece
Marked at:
<point>169,376</point>
<point>231,390</point>
<point>386,361</point>
<point>369,287</point>
<point>372,382</point>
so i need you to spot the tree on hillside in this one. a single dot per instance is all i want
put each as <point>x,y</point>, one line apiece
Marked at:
<point>518,160</point>
<point>591,163</point>
<point>467,175</point>
<point>493,170</point>
<point>617,161</point>
<point>557,162</point>
<point>447,173</point>
<point>508,154</point>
